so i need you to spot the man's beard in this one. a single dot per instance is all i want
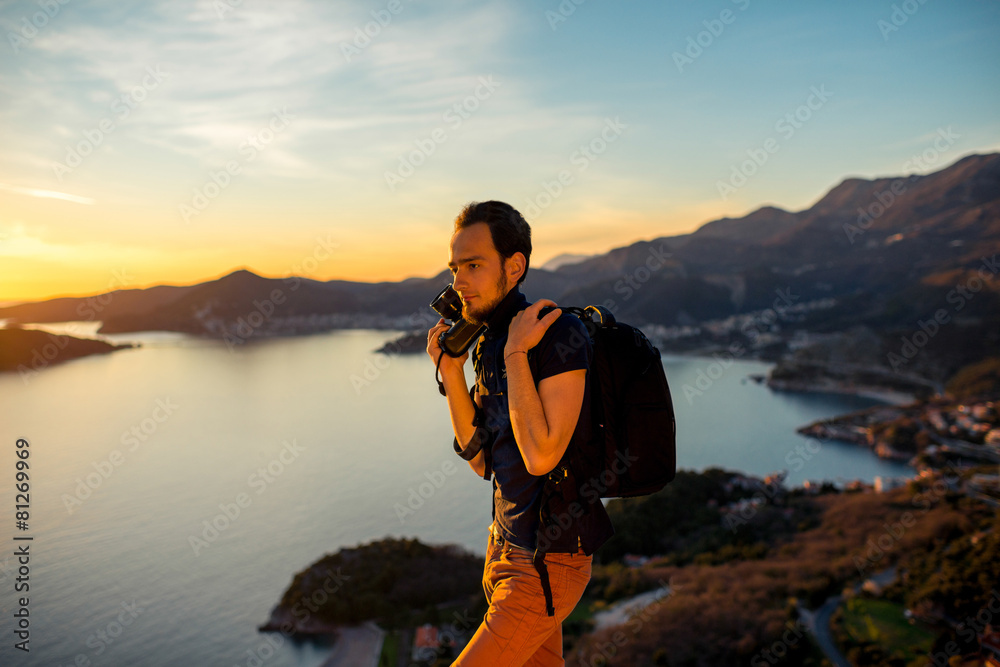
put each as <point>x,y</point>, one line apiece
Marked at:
<point>481,313</point>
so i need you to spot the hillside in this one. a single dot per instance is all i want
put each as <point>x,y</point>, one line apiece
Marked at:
<point>741,575</point>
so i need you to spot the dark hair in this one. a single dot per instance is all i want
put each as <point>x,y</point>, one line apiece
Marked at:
<point>508,228</point>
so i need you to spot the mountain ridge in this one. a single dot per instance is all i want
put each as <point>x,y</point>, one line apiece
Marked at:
<point>885,250</point>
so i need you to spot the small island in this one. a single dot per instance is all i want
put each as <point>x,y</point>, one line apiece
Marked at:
<point>397,584</point>
<point>28,351</point>
<point>377,581</point>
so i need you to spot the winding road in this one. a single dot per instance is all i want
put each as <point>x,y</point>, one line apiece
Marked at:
<point>818,623</point>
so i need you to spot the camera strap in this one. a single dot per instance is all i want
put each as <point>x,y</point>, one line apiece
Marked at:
<point>436,374</point>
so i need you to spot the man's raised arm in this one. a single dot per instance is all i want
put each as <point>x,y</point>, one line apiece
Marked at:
<point>544,420</point>
<point>460,405</point>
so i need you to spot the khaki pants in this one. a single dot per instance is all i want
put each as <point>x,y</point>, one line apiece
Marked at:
<point>516,630</point>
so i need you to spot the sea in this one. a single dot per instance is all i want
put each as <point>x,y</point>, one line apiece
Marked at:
<point>174,489</point>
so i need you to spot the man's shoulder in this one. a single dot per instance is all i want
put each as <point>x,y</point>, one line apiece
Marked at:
<point>565,346</point>
<point>568,326</point>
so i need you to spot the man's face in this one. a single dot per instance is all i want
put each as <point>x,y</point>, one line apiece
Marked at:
<point>479,273</point>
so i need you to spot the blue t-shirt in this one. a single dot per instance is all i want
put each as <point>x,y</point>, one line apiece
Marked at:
<point>566,346</point>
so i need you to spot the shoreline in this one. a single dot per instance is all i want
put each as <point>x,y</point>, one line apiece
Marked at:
<point>820,385</point>
<point>888,396</point>
<point>413,343</point>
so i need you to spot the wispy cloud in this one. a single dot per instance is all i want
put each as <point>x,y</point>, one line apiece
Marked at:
<point>225,75</point>
<point>46,194</point>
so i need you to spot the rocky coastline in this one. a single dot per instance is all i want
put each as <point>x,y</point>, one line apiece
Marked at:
<point>302,626</point>
<point>925,432</point>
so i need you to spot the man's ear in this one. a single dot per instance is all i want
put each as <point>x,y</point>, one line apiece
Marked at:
<point>515,266</point>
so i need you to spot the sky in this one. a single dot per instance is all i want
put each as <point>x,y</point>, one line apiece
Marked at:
<point>173,142</point>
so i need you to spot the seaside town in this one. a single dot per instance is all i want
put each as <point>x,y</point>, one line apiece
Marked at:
<point>921,433</point>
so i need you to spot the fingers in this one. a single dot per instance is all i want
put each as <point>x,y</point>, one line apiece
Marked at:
<point>550,318</point>
<point>541,303</point>
<point>433,334</point>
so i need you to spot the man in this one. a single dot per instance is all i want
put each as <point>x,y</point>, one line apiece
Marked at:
<point>531,401</point>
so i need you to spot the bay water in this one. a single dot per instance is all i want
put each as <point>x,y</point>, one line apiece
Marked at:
<point>176,488</point>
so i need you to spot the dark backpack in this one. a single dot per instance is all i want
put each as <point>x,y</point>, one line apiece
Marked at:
<point>632,448</point>
<point>632,451</point>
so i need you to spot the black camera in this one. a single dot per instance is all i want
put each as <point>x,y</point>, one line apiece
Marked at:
<point>461,335</point>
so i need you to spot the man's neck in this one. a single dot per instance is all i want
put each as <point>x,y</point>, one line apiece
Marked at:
<point>499,320</point>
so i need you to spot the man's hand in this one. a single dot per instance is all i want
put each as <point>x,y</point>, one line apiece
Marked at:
<point>448,362</point>
<point>526,330</point>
